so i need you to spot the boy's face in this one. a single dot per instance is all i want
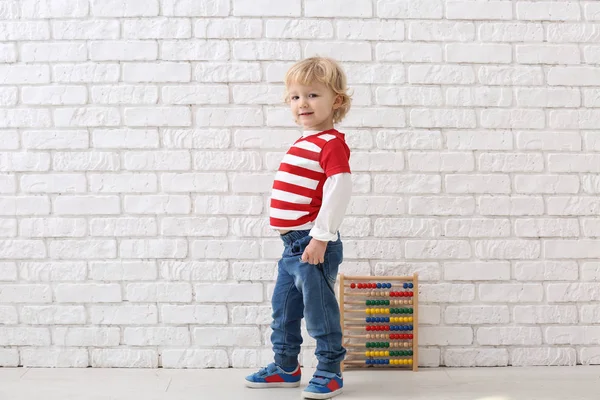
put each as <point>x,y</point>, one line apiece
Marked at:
<point>313,105</point>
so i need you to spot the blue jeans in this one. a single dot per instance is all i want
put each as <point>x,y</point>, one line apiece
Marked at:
<point>306,290</point>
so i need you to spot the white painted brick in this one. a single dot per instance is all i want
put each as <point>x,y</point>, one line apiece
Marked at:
<point>153,248</point>
<point>549,184</point>
<point>573,76</point>
<point>131,50</point>
<point>480,183</point>
<point>201,94</point>
<point>156,72</point>
<point>124,315</point>
<point>350,51</point>
<point>125,138</point>
<point>33,9</point>
<point>24,118</point>
<point>158,292</point>
<point>229,293</point>
<point>476,315</point>
<point>8,53</point>
<point>250,227</point>
<point>124,358</point>
<point>23,30</point>
<point>8,271</point>
<point>127,182</point>
<point>375,205</point>
<point>191,226</point>
<point>87,293</point>
<point>478,53</point>
<point>181,50</point>
<point>574,163</point>
<point>573,335</point>
<point>184,182</point>
<point>59,139</point>
<point>442,118</point>
<point>507,249</point>
<point>266,50</point>
<point>478,10</point>
<point>24,336</point>
<point>545,314</point>
<point>8,315</point>
<point>546,270</point>
<point>158,116</point>
<point>24,205</point>
<point>420,96</point>
<point>480,357</point>
<point>548,54</point>
<point>87,116</point>
<point>590,313</point>
<point>53,52</point>
<point>480,140</point>
<point>444,336</point>
<point>446,293</point>
<point>407,227</point>
<point>486,96</point>
<point>171,160</point>
<point>8,184</point>
<point>375,73</point>
<point>441,74</point>
<point>437,249</point>
<point>377,161</point>
<point>9,97</point>
<point>239,116</point>
<point>190,8</point>
<point>511,292</point>
<point>54,357</point>
<point>477,227</point>
<point>565,205</point>
<point>224,249</point>
<point>227,72</point>
<point>510,76</point>
<point>66,183</point>
<point>124,8</point>
<point>409,52</point>
<point>590,271</point>
<point>582,248</point>
<point>244,205</point>
<point>410,9</point>
<point>379,249</point>
<point>85,205</point>
<point>543,356</point>
<point>9,357</point>
<point>254,271</point>
<point>251,315</point>
<point>428,271</point>
<point>157,204</point>
<point>232,336</point>
<point>20,293</point>
<point>548,97</point>
<point>447,205</point>
<point>548,11</point>
<point>532,119</point>
<point>511,162</point>
<point>370,30</point>
<point>511,32</point>
<point>440,31</point>
<point>476,271</point>
<point>547,227</point>
<point>407,184</point>
<point>255,183</point>
<point>122,270</point>
<point>502,336</point>
<point>50,271</point>
<point>195,358</point>
<point>156,336</point>
<point>589,355</point>
<point>53,315</point>
<point>230,28</point>
<point>85,29</point>
<point>22,248</point>
<point>53,227</point>
<point>561,141</point>
<point>279,139</point>
<point>267,8</point>
<point>440,162</point>
<point>85,72</point>
<point>193,314</point>
<point>511,205</point>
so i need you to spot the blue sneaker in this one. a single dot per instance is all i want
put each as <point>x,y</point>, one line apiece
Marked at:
<point>324,385</point>
<point>274,376</point>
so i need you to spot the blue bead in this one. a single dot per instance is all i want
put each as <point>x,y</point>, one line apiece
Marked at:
<point>410,285</point>
<point>389,285</point>
<point>379,286</point>
<point>405,285</point>
<point>387,362</point>
<point>410,327</point>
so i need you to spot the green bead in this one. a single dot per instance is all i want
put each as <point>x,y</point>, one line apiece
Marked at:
<point>387,345</point>
<point>410,310</point>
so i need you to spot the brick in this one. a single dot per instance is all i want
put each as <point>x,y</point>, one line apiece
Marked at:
<point>479,140</point>
<point>560,141</point>
<point>264,50</point>
<point>197,182</point>
<point>375,205</point>
<point>478,357</point>
<point>483,97</point>
<point>441,31</point>
<point>34,9</point>
<point>251,183</point>
<point>123,314</point>
<point>440,162</point>
<point>478,53</point>
<point>224,249</point>
<point>547,227</point>
<point>477,227</point>
<point>191,8</point>
<point>53,227</point>
<point>124,8</point>
<point>511,162</point>
<point>477,183</point>
<point>408,9</point>
<point>419,96</point>
<point>59,139</point>
<point>409,52</point>
<point>379,73</point>
<point>125,138</point>
<point>53,52</point>
<point>8,315</point>
<point>23,30</point>
<point>157,204</point>
<point>85,72</point>
<point>511,205</point>
<point>546,356</point>
<point>499,10</point>
<point>158,116</point>
<point>545,314</point>
<point>548,11</point>
<point>379,249</point>
<point>436,205</point>
<point>476,315</point>
<point>24,336</point>
<point>407,183</point>
<point>590,271</point>
<point>71,183</point>
<point>195,358</point>
<point>157,72</point>
<point>546,270</point>
<point>52,271</point>
<point>407,227</point>
<point>121,358</point>
<point>507,249</point>
<point>229,28</point>
<point>573,76</point>
<point>87,117</point>
<point>241,116</point>
<point>342,51</point>
<point>156,336</point>
<point>170,160</point>
<point>446,293</point>
<point>548,54</point>
<point>87,293</point>
<point>194,314</point>
<point>25,118</point>
<point>476,271</point>
<point>444,336</point>
<point>8,53</point>
<point>573,335</point>
<point>85,29</point>
<point>24,205</point>
<point>86,205</point>
<point>558,249</point>
<point>548,184</point>
<point>438,249</point>
<point>267,8</point>
<point>9,97</point>
<point>230,336</point>
<point>153,248</point>
<point>502,336</point>
<point>53,315</point>
<point>565,205</point>
<point>22,249</point>
<point>589,355</point>
<point>441,74</point>
<point>511,292</point>
<point>9,357</point>
<point>519,119</point>
<point>122,270</point>
<point>511,32</point>
<point>370,30</point>
<point>511,76</point>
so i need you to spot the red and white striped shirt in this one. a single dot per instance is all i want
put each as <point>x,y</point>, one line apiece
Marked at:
<point>298,187</point>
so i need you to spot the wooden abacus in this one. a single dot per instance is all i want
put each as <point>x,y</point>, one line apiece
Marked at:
<point>387,341</point>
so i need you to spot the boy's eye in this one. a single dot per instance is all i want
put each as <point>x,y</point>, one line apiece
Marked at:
<point>295,97</point>
<point>312,95</point>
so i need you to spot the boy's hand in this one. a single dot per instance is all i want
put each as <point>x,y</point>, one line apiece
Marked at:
<point>314,252</point>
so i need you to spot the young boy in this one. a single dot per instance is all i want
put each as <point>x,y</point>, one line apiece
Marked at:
<point>310,194</point>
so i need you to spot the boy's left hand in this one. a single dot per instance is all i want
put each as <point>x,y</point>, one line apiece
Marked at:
<point>315,252</point>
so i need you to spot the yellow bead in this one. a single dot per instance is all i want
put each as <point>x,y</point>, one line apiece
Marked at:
<point>387,353</point>
<point>387,310</point>
<point>366,354</point>
<point>410,361</point>
<point>410,319</point>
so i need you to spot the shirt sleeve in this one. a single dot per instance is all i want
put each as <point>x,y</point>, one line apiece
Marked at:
<point>336,196</point>
<point>335,157</point>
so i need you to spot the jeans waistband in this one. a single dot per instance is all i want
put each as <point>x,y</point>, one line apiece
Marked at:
<point>292,236</point>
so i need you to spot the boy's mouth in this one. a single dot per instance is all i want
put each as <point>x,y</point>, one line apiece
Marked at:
<point>305,113</point>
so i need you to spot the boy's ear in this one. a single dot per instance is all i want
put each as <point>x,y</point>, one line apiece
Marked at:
<point>337,103</point>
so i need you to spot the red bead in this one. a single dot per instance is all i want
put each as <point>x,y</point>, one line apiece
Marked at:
<point>368,327</point>
<point>352,285</point>
<point>411,294</point>
<point>410,336</point>
<point>372,285</point>
<point>387,327</point>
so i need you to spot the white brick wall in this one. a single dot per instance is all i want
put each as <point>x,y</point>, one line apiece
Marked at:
<point>139,141</point>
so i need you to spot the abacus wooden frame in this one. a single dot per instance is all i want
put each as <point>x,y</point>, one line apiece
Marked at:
<point>414,279</point>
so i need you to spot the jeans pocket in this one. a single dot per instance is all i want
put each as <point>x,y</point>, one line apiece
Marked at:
<point>333,259</point>
<point>298,247</point>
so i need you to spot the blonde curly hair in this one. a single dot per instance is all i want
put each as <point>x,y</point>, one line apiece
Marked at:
<point>324,70</point>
